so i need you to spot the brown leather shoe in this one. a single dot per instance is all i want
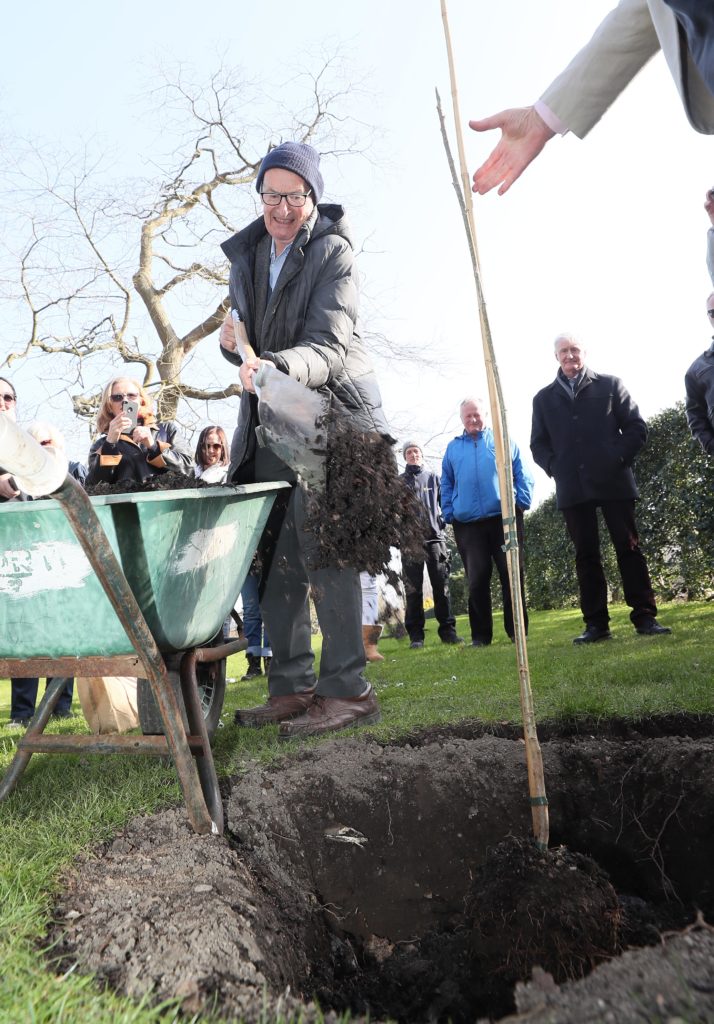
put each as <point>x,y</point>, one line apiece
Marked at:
<point>328,714</point>
<point>276,709</point>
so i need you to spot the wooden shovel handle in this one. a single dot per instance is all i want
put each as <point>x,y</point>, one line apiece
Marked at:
<point>245,349</point>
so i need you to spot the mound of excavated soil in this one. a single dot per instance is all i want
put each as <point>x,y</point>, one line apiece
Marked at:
<point>400,882</point>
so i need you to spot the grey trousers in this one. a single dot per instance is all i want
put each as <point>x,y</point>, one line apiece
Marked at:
<point>286,612</point>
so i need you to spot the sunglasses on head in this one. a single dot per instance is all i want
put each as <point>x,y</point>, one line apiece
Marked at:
<point>131,395</point>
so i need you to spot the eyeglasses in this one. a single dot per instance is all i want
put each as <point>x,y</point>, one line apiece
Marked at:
<point>213,447</point>
<point>292,198</point>
<point>131,395</point>
<point>8,399</point>
<point>710,314</point>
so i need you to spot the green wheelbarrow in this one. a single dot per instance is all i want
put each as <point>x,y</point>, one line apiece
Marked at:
<point>129,584</point>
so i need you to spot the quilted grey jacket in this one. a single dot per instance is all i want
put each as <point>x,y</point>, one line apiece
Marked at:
<point>310,328</point>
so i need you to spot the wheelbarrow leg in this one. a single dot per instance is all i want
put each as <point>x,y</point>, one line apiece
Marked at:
<point>36,727</point>
<point>96,547</point>
<point>197,727</point>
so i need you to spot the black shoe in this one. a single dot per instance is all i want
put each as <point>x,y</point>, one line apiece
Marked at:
<point>64,714</point>
<point>18,723</point>
<point>480,643</point>
<point>651,627</point>
<point>451,638</point>
<point>593,634</point>
<point>254,667</point>
<point>416,645</point>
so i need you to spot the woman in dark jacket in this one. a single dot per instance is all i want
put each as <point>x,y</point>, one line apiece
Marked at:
<point>124,454</point>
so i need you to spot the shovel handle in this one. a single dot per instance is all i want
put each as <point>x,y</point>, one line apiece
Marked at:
<point>245,349</point>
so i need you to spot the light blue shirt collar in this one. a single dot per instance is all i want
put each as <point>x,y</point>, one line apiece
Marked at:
<point>277,262</point>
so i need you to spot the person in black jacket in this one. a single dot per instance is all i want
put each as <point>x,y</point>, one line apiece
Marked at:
<point>293,282</point>
<point>586,433</point>
<point>699,385</point>
<point>427,490</point>
<point>125,454</point>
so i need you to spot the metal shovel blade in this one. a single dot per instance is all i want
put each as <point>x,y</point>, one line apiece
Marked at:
<point>293,424</point>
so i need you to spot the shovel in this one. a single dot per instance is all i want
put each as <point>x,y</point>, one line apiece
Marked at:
<point>293,418</point>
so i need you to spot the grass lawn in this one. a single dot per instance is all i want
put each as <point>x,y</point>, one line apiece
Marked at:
<point>64,804</point>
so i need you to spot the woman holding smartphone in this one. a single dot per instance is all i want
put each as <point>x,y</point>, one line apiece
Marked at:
<point>132,446</point>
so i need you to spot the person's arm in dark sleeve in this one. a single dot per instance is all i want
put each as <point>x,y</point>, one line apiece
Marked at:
<point>171,453</point>
<point>633,429</point>
<point>697,414</point>
<point>447,489</point>
<point>541,445</point>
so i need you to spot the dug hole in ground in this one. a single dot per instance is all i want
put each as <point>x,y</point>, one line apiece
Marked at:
<point>400,882</point>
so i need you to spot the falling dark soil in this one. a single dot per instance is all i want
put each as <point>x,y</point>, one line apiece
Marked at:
<point>400,882</point>
<point>365,509</point>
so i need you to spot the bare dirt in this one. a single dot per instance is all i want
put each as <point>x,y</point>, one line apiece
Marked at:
<point>399,882</point>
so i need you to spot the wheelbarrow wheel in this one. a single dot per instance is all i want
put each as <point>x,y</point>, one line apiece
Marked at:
<point>211,679</point>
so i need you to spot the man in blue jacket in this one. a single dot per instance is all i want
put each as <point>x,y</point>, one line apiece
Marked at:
<point>471,501</point>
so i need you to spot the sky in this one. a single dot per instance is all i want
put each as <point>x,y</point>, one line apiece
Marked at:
<point>604,237</point>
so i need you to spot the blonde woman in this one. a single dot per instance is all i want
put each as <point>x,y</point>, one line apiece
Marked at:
<point>123,453</point>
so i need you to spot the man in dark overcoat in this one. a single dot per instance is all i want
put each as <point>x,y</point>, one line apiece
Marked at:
<point>586,433</point>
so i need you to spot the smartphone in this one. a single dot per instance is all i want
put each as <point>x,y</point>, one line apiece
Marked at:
<point>130,409</point>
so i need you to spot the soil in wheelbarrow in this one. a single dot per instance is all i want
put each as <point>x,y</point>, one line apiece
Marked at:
<point>399,882</point>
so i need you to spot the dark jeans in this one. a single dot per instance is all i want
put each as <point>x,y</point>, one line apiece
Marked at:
<point>23,699</point>
<point>436,559</point>
<point>481,545</point>
<point>253,629</point>
<point>619,517</point>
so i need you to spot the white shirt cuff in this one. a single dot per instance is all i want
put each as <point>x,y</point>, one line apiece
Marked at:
<point>551,119</point>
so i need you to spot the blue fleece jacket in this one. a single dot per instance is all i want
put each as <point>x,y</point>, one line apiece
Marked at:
<point>469,479</point>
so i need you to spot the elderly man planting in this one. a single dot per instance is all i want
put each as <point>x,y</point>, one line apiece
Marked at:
<point>294,284</point>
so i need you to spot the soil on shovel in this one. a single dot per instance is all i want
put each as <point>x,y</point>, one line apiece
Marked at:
<point>399,882</point>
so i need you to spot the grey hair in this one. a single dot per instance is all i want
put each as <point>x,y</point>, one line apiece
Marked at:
<point>474,401</point>
<point>567,336</point>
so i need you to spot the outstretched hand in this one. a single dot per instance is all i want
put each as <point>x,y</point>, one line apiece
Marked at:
<point>523,135</point>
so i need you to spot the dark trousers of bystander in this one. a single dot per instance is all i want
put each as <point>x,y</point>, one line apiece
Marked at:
<point>481,545</point>
<point>619,517</point>
<point>436,559</point>
<point>23,698</point>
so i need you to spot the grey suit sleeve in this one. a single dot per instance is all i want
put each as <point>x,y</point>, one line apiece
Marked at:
<point>595,77</point>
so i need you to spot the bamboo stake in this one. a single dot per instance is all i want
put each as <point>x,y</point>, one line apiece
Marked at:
<point>534,760</point>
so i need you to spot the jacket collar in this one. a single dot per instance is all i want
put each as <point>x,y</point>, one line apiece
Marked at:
<point>324,219</point>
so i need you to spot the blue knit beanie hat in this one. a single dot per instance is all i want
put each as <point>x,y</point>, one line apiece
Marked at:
<point>299,158</point>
